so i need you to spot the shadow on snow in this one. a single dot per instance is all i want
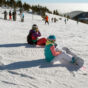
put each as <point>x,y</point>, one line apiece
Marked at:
<point>17,45</point>
<point>41,63</point>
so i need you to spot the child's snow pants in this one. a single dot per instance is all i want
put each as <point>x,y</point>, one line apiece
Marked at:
<point>42,41</point>
<point>64,56</point>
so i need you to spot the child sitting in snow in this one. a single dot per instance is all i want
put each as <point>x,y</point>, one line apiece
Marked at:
<point>33,35</point>
<point>52,55</point>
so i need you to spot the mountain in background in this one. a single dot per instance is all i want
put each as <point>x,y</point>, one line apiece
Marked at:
<point>74,13</point>
<point>78,16</point>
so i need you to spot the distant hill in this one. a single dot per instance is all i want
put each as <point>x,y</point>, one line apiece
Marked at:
<point>74,13</point>
<point>82,17</point>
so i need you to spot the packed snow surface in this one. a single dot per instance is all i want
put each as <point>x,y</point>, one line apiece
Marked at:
<point>23,66</point>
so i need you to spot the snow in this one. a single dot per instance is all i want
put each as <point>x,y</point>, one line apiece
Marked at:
<point>23,66</point>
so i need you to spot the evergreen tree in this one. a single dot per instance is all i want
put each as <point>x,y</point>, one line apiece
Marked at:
<point>35,8</point>
<point>55,12</point>
<point>19,4</point>
<point>2,2</point>
<point>26,7</point>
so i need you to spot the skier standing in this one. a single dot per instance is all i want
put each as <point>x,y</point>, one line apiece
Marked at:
<point>65,21</point>
<point>14,15</point>
<point>5,15</point>
<point>46,19</point>
<point>10,15</point>
<point>22,17</point>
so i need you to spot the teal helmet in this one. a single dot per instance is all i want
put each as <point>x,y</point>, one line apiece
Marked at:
<point>52,38</point>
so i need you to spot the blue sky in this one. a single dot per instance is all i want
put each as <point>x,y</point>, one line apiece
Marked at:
<point>55,1</point>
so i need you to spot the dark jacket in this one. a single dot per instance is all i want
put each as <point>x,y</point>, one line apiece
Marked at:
<point>33,37</point>
<point>10,13</point>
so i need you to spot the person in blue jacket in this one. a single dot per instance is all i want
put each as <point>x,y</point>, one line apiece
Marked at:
<point>22,17</point>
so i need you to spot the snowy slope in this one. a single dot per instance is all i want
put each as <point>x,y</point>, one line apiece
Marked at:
<point>23,66</point>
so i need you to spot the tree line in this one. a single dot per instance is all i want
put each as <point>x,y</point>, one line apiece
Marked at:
<point>26,7</point>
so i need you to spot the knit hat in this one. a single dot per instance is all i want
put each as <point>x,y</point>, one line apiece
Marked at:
<point>34,26</point>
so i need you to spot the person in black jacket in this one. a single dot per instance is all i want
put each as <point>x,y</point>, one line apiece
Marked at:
<point>5,15</point>
<point>14,15</point>
<point>10,15</point>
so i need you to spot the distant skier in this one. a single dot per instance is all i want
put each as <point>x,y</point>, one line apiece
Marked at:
<point>10,15</point>
<point>52,54</point>
<point>33,35</point>
<point>20,10</point>
<point>60,18</point>
<point>5,15</point>
<point>46,19</point>
<point>55,20</point>
<point>52,19</point>
<point>65,21</point>
<point>77,21</point>
<point>22,17</point>
<point>14,15</point>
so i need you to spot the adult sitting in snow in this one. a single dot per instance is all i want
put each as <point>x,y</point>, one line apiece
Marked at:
<point>52,54</point>
<point>33,35</point>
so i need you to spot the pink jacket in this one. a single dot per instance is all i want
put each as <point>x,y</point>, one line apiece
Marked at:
<point>54,52</point>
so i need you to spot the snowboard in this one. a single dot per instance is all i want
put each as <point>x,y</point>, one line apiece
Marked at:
<point>79,61</point>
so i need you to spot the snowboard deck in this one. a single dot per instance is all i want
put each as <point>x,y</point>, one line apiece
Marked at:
<point>79,60</point>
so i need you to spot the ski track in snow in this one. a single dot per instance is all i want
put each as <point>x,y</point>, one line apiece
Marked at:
<point>23,66</point>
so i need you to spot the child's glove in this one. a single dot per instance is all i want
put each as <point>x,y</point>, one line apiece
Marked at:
<point>66,49</point>
<point>37,30</point>
<point>59,52</point>
<point>55,45</point>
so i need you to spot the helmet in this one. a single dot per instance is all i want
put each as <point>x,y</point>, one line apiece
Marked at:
<point>34,26</point>
<point>51,38</point>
